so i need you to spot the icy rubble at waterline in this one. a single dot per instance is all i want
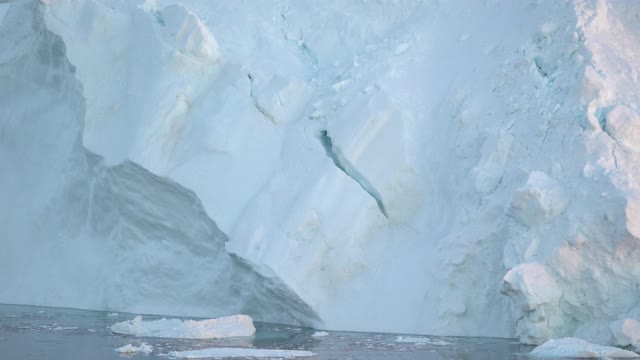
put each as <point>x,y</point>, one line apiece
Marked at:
<point>143,348</point>
<point>578,348</point>
<point>421,340</point>
<point>286,160</point>
<point>230,326</point>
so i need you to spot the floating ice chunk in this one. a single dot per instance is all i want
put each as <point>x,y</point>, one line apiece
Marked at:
<point>144,348</point>
<point>421,340</point>
<point>320,334</point>
<point>230,326</point>
<point>578,348</point>
<point>240,353</point>
<point>112,314</point>
<point>58,328</point>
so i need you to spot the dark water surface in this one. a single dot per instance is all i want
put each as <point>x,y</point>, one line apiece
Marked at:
<point>28,332</point>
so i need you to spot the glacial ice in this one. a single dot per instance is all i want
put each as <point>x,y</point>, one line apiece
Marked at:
<point>626,332</point>
<point>99,236</point>
<point>169,158</point>
<point>421,340</point>
<point>578,348</point>
<point>143,348</point>
<point>229,326</point>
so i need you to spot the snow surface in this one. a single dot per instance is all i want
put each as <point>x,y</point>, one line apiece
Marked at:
<point>578,348</point>
<point>240,353</point>
<point>230,326</point>
<point>288,160</point>
<point>143,348</point>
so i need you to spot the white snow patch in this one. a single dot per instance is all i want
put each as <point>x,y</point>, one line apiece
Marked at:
<point>578,348</point>
<point>626,332</point>
<point>143,348</point>
<point>230,326</point>
<point>320,334</point>
<point>240,353</point>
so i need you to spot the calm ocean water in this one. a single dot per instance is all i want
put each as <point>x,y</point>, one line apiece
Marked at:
<point>28,332</point>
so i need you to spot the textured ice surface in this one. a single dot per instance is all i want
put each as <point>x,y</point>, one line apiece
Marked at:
<point>143,348</point>
<point>578,348</point>
<point>289,160</point>
<point>229,326</point>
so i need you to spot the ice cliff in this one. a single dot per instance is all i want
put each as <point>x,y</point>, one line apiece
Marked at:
<point>438,167</point>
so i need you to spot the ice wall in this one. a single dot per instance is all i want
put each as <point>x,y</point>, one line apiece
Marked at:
<point>382,166</point>
<point>80,233</point>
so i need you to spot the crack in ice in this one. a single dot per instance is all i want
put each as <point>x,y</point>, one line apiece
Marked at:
<point>335,154</point>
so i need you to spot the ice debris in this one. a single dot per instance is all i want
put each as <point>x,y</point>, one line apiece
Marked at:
<point>230,326</point>
<point>578,348</point>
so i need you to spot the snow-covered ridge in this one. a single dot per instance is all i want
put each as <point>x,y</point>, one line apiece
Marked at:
<point>385,166</point>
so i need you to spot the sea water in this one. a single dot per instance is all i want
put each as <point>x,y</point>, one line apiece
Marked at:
<point>28,332</point>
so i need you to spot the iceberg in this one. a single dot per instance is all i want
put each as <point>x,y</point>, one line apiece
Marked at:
<point>578,348</point>
<point>229,326</point>
<point>422,340</point>
<point>370,166</point>
<point>143,348</point>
